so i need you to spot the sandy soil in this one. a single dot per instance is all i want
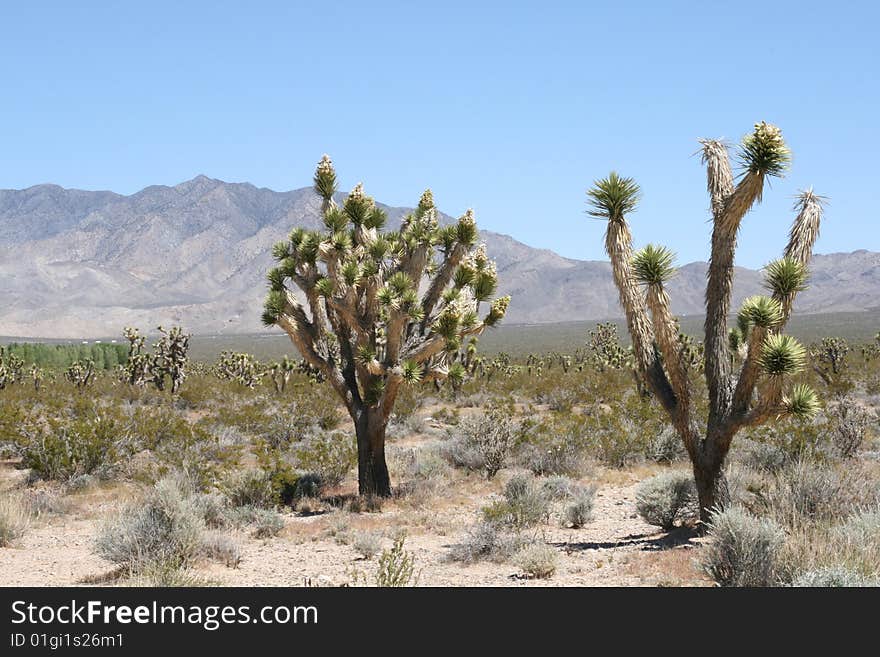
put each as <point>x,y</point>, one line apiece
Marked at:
<point>615,549</point>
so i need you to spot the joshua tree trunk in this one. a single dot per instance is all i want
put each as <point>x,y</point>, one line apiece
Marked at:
<point>712,489</point>
<point>373,479</point>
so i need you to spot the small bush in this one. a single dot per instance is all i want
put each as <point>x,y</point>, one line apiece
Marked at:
<point>665,498</point>
<point>329,455</point>
<point>744,550</point>
<point>762,457</point>
<point>805,491</point>
<point>559,487</point>
<point>165,528</point>
<point>859,539</point>
<point>482,443</point>
<point>367,544</point>
<point>15,518</point>
<point>396,566</point>
<point>525,504</point>
<point>557,456</point>
<point>62,448</point>
<point>251,488</point>
<point>267,523</point>
<point>833,576</point>
<point>666,447</point>
<point>219,547</point>
<point>538,561</point>
<point>486,542</point>
<point>850,425</point>
<point>579,511</point>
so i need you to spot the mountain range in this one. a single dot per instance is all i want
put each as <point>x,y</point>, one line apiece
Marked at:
<point>78,264</point>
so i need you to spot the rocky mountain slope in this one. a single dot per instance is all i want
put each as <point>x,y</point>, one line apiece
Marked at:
<point>79,263</point>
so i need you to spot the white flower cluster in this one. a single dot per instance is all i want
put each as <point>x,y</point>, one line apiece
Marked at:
<point>325,165</point>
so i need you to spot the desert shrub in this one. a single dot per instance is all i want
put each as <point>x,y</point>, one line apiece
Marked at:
<point>665,498</point>
<point>329,455</point>
<point>267,523</point>
<point>556,457</point>
<point>859,537</point>
<point>447,416</point>
<point>761,456</point>
<point>396,566</point>
<point>60,448</point>
<point>579,511</point>
<point>308,485</point>
<point>222,548</point>
<point>797,439</point>
<point>806,492</point>
<point>538,560</point>
<point>833,576</point>
<point>367,543</point>
<point>559,487</point>
<point>198,453</point>
<point>286,427</point>
<point>41,501</point>
<point>421,473</point>
<point>164,528</point>
<point>666,447</point>
<point>482,442</point>
<point>525,504</point>
<point>850,425</point>
<point>213,509</point>
<point>339,528</point>
<point>163,575</point>
<point>554,446</point>
<point>618,440</point>
<point>15,518</point>
<point>251,488</point>
<point>744,550</point>
<point>487,542</point>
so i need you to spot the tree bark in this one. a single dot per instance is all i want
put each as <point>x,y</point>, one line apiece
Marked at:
<point>373,479</point>
<point>712,489</point>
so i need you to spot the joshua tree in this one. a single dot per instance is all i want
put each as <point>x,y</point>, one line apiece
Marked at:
<point>169,358</point>
<point>280,373</point>
<point>240,367</point>
<point>36,374</point>
<point>829,361</point>
<point>755,394</point>
<point>81,372</point>
<point>10,367</point>
<point>365,325</point>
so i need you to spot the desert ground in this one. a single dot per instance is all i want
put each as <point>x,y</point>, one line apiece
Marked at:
<point>544,470</point>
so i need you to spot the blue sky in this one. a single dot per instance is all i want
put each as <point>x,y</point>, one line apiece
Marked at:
<point>509,108</point>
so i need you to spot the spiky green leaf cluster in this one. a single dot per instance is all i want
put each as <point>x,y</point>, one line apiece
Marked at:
<point>761,311</point>
<point>613,197</point>
<point>653,265</point>
<point>802,402</point>
<point>785,276</point>
<point>412,371</point>
<point>764,151</point>
<point>782,355</point>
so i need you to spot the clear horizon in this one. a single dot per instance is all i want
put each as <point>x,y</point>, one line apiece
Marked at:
<point>513,113</point>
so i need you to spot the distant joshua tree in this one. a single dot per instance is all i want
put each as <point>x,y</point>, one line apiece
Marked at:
<point>756,393</point>
<point>365,324</point>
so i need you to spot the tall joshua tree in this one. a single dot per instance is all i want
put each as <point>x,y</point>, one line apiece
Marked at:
<point>756,392</point>
<point>364,323</point>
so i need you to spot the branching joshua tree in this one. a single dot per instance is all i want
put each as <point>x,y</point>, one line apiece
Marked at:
<point>169,359</point>
<point>10,367</point>
<point>380,308</point>
<point>756,392</point>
